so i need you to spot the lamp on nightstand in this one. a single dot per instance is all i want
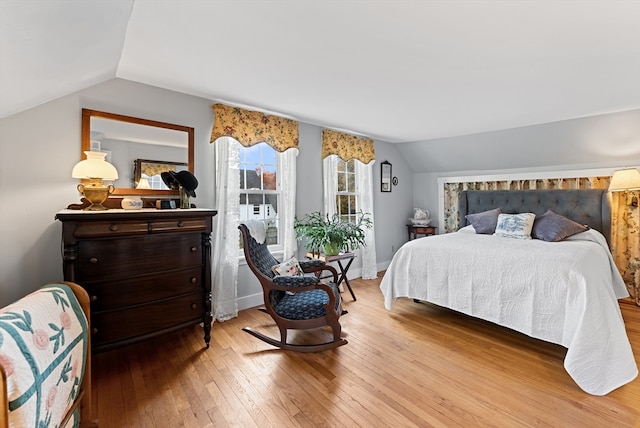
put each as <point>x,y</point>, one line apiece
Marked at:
<point>96,170</point>
<point>624,180</point>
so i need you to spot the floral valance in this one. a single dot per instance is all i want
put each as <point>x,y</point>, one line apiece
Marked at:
<point>347,146</point>
<point>251,127</point>
<point>150,169</point>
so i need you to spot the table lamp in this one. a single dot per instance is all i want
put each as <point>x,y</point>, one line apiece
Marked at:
<point>143,183</point>
<point>95,169</point>
<point>624,180</point>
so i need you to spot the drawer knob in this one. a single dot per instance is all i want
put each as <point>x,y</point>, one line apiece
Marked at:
<point>93,260</point>
<point>94,331</point>
<point>194,306</point>
<point>181,223</point>
<point>194,280</point>
<point>113,227</point>
<point>194,249</point>
<point>94,298</point>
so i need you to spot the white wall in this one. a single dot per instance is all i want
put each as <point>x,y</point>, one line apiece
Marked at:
<point>605,141</point>
<point>39,147</point>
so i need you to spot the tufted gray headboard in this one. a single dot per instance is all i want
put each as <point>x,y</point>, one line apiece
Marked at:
<point>590,207</point>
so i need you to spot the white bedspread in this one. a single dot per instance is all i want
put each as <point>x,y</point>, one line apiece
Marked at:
<point>561,292</point>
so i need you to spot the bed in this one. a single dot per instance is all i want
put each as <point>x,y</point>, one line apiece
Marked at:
<point>564,292</point>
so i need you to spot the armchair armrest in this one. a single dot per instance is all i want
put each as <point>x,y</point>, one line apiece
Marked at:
<point>318,269</point>
<point>294,281</point>
<point>310,263</point>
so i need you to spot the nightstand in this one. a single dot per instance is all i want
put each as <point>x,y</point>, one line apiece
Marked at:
<point>414,230</point>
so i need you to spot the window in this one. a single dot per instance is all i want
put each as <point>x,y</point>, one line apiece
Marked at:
<point>346,195</point>
<point>260,191</point>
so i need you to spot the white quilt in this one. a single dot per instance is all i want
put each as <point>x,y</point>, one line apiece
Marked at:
<point>561,292</point>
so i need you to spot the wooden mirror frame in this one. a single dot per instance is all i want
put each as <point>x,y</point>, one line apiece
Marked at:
<point>87,114</point>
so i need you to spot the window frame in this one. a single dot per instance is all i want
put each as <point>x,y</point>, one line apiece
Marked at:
<point>348,171</point>
<point>273,248</point>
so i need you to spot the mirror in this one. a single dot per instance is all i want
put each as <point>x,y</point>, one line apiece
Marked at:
<point>147,174</point>
<point>131,141</point>
<point>385,176</point>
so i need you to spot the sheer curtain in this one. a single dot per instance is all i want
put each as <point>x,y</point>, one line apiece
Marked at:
<point>234,127</point>
<point>364,190</point>
<point>224,270</point>
<point>287,181</point>
<point>330,175</point>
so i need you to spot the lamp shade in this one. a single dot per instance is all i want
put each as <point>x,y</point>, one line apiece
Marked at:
<point>625,179</point>
<point>143,183</point>
<point>94,166</point>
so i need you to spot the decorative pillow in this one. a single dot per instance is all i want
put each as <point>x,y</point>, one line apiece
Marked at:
<point>485,222</point>
<point>289,268</point>
<point>554,227</point>
<point>515,225</point>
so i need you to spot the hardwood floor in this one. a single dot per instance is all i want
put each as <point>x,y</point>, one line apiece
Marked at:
<point>415,366</point>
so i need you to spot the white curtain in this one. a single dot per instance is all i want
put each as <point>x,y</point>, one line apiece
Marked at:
<point>364,190</point>
<point>330,178</point>
<point>364,202</point>
<point>287,210</point>
<point>224,270</point>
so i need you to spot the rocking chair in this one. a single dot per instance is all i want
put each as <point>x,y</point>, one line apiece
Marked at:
<point>295,302</point>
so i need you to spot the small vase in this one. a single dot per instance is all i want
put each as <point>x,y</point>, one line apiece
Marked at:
<point>131,203</point>
<point>331,249</point>
<point>184,198</point>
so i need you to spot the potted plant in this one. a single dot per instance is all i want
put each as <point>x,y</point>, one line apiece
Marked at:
<point>332,235</point>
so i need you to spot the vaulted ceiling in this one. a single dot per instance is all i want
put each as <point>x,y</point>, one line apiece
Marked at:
<point>392,70</point>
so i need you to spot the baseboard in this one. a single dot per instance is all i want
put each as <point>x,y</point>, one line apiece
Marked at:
<point>251,301</point>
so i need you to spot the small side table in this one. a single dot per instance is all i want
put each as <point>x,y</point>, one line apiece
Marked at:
<point>414,230</point>
<point>342,272</point>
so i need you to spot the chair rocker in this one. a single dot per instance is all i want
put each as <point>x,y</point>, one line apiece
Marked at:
<point>295,302</point>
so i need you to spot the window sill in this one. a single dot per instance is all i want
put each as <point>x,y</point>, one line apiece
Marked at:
<point>277,252</point>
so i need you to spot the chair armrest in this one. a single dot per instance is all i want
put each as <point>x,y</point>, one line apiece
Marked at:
<point>294,281</point>
<point>310,263</point>
<point>317,270</point>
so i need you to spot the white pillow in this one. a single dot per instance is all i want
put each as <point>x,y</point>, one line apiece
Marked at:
<point>289,268</point>
<point>515,225</point>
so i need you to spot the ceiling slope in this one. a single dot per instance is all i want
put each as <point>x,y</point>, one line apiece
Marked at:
<point>49,49</point>
<point>397,71</point>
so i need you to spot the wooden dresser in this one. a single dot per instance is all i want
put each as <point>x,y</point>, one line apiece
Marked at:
<point>147,272</point>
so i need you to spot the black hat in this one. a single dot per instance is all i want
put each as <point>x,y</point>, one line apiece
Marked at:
<point>187,180</point>
<point>169,179</point>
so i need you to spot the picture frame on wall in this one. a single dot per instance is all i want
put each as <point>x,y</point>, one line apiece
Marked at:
<point>385,176</point>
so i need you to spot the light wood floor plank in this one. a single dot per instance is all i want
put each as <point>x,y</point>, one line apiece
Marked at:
<point>415,366</point>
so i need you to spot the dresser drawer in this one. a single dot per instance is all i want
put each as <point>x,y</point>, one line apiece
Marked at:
<point>107,295</point>
<point>103,259</point>
<point>102,229</point>
<point>150,318</point>
<point>178,225</point>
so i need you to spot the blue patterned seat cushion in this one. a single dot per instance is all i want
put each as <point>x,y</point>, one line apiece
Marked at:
<point>305,304</point>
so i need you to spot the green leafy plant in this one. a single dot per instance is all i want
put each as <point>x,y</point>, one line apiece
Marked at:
<point>332,235</point>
